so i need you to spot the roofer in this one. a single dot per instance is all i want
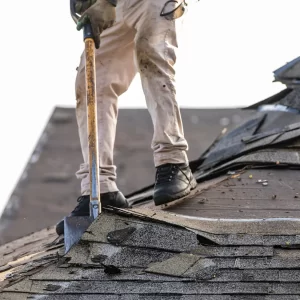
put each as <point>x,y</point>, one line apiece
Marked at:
<point>136,35</point>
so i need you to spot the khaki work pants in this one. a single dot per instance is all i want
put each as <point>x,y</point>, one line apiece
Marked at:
<point>140,40</point>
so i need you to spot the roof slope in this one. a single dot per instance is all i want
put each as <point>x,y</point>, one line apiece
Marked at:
<point>289,74</point>
<point>235,237</point>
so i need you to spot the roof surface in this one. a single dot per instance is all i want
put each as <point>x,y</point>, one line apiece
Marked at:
<point>236,236</point>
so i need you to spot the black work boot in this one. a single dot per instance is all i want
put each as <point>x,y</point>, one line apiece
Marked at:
<point>173,181</point>
<point>115,199</point>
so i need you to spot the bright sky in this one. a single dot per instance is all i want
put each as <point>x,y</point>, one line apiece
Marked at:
<point>228,52</point>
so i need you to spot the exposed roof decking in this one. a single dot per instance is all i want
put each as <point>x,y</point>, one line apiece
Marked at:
<point>241,196</point>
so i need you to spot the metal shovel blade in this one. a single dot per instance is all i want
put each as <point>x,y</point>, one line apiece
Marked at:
<point>74,227</point>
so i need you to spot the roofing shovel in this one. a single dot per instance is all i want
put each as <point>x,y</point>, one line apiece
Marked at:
<point>74,227</point>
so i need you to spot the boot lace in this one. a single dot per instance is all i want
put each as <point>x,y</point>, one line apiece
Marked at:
<point>166,173</point>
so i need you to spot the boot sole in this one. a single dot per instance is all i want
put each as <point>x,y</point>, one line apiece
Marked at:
<point>170,198</point>
<point>60,227</point>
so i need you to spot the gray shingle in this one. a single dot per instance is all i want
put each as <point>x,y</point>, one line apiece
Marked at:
<point>154,236</point>
<point>210,251</point>
<point>79,273</point>
<point>177,265</point>
<point>126,256</point>
<point>146,297</point>
<point>164,288</point>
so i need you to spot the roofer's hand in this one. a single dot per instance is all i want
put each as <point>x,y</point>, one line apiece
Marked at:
<point>82,5</point>
<point>101,14</point>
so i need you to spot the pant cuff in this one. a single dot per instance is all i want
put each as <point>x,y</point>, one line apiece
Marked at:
<point>177,157</point>
<point>105,187</point>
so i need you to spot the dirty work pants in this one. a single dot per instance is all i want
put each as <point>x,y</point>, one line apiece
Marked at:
<point>140,40</point>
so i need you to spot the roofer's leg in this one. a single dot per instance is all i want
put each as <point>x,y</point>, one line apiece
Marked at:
<point>156,45</point>
<point>115,70</point>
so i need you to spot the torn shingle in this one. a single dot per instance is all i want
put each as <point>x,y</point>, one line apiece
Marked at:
<point>174,266</point>
<point>203,269</point>
<point>117,237</point>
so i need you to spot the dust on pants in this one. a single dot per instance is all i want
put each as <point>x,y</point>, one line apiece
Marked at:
<point>141,41</point>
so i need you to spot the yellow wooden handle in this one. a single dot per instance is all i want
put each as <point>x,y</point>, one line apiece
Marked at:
<point>90,78</point>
